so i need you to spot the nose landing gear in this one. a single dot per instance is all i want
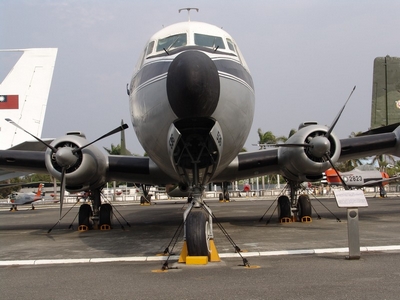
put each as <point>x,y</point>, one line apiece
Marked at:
<point>198,233</point>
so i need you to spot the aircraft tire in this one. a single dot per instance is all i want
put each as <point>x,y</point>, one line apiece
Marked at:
<point>226,196</point>
<point>304,206</point>
<point>197,233</point>
<point>85,212</point>
<point>105,214</point>
<point>221,196</point>
<point>284,210</point>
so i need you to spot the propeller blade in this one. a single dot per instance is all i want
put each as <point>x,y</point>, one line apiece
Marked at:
<point>19,127</point>
<point>116,130</point>
<point>284,145</point>
<point>327,135</point>
<point>294,145</point>
<point>337,172</point>
<point>62,189</point>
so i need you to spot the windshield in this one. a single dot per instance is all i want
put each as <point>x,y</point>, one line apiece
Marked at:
<point>173,41</point>
<point>209,41</point>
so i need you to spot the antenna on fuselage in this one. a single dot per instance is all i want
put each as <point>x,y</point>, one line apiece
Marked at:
<point>188,10</point>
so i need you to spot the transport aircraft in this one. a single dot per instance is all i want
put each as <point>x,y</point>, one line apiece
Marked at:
<point>186,100</point>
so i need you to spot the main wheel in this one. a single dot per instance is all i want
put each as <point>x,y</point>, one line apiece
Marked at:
<point>284,207</point>
<point>226,196</point>
<point>304,206</point>
<point>105,214</point>
<point>85,212</point>
<point>221,197</point>
<point>197,228</point>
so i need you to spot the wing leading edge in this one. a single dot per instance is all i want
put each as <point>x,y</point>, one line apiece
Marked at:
<point>245,165</point>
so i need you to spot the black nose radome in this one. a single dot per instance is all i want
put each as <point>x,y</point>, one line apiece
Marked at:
<point>193,85</point>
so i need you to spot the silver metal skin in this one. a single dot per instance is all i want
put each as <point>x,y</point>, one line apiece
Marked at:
<point>152,114</point>
<point>86,169</point>
<point>308,163</point>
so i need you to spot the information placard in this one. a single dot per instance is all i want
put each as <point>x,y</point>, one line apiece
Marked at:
<point>350,198</point>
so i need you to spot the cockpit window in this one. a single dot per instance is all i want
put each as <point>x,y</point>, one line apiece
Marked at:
<point>173,41</point>
<point>231,45</point>
<point>208,41</point>
<point>150,48</point>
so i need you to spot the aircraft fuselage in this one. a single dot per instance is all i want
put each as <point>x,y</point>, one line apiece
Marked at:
<point>192,101</point>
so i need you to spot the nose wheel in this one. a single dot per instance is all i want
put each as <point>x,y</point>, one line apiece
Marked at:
<point>198,233</point>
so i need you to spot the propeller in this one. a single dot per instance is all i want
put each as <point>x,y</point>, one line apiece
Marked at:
<point>346,187</point>
<point>328,133</point>
<point>66,156</point>
<point>339,114</point>
<point>319,146</point>
<point>114,131</point>
<point>317,143</point>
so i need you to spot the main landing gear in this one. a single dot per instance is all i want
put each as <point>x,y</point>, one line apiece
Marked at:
<point>224,196</point>
<point>146,198</point>
<point>97,218</point>
<point>295,208</point>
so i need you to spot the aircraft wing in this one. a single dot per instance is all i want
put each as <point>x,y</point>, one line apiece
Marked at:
<point>95,168</point>
<point>378,182</point>
<point>293,163</point>
<point>118,167</point>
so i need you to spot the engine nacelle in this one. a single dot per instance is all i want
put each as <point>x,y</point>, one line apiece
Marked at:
<point>306,163</point>
<point>87,167</point>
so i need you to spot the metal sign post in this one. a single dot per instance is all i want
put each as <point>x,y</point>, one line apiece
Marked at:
<point>352,200</point>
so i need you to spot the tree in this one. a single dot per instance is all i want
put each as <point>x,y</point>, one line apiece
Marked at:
<point>5,191</point>
<point>37,178</point>
<point>291,132</point>
<point>383,161</point>
<point>268,138</point>
<point>114,150</point>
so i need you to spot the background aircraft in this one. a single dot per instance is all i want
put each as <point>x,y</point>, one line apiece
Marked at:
<point>187,98</point>
<point>385,92</point>
<point>361,176</point>
<point>23,97</point>
<point>17,198</point>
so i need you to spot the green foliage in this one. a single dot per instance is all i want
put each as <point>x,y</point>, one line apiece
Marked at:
<point>383,161</point>
<point>4,192</point>
<point>348,165</point>
<point>37,178</point>
<point>269,138</point>
<point>114,150</point>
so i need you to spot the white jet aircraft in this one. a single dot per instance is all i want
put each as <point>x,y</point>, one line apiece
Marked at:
<point>18,198</point>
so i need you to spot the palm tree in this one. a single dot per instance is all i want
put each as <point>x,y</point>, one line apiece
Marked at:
<point>383,160</point>
<point>114,150</point>
<point>268,138</point>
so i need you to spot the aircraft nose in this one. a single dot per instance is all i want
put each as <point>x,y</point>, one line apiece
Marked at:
<point>193,85</point>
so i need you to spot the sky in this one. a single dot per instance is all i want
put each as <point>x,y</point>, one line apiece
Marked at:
<point>305,57</point>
